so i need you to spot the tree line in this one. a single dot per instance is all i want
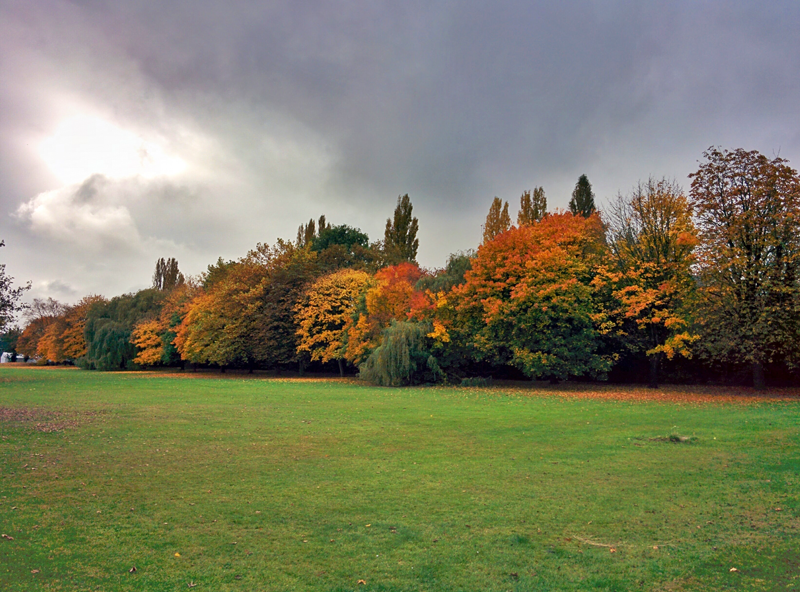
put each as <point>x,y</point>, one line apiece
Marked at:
<point>659,285</point>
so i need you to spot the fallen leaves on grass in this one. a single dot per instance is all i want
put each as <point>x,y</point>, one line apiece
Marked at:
<point>733,569</point>
<point>361,582</point>
<point>6,537</point>
<point>43,420</point>
<point>132,570</point>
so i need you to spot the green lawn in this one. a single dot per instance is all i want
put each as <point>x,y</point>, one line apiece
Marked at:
<point>258,484</point>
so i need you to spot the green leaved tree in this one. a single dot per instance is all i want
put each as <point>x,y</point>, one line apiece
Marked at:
<point>400,238</point>
<point>582,202</point>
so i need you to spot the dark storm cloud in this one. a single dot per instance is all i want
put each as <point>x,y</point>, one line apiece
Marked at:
<point>285,110</point>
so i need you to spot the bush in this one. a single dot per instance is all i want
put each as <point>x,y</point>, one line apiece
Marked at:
<point>403,357</point>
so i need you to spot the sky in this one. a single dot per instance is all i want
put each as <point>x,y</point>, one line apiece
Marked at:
<point>195,129</point>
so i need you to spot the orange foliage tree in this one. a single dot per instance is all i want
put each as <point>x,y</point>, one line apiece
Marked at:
<point>74,341</point>
<point>528,300</point>
<point>393,297</point>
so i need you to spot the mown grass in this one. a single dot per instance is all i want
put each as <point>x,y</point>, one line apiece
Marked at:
<point>254,484</point>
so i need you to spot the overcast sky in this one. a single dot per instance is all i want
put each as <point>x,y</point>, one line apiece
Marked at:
<point>132,130</point>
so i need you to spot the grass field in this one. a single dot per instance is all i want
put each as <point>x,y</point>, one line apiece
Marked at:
<point>257,484</point>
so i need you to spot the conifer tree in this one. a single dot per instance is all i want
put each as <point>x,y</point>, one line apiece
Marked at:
<point>582,202</point>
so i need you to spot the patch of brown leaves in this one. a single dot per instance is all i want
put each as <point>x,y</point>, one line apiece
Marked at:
<point>41,420</point>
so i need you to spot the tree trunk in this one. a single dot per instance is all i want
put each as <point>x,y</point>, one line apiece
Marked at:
<point>758,376</point>
<point>653,382</point>
<point>222,369</point>
<point>341,368</point>
<point>301,368</point>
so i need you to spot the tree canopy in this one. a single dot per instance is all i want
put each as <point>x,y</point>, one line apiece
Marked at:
<point>748,216</point>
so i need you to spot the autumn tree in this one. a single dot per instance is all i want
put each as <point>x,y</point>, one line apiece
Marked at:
<point>532,207</point>
<point>74,340</point>
<point>64,339</point>
<point>51,345</point>
<point>747,208</point>
<point>167,275</point>
<point>652,237</point>
<point>497,220</point>
<point>220,323</point>
<point>9,297</point>
<point>582,202</point>
<point>146,337</point>
<point>287,273</point>
<point>39,315</point>
<point>391,298</point>
<point>528,299</point>
<point>400,237</point>
<point>323,312</point>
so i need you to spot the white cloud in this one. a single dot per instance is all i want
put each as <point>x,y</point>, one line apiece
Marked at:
<point>88,215</point>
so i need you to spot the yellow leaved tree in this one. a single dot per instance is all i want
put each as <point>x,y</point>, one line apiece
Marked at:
<point>324,311</point>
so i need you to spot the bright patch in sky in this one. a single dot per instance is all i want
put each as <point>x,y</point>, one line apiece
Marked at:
<point>84,146</point>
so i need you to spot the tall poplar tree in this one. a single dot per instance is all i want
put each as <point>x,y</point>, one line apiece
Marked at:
<point>400,239</point>
<point>497,220</point>
<point>167,275</point>
<point>582,202</point>
<point>532,207</point>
